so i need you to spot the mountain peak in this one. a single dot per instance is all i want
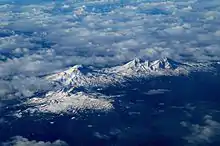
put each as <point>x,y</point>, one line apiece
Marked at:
<point>137,60</point>
<point>140,66</point>
<point>169,60</point>
<point>164,63</point>
<point>78,69</point>
<point>80,75</point>
<point>166,59</point>
<point>134,63</point>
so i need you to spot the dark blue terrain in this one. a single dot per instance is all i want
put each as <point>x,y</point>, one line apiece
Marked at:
<point>138,119</point>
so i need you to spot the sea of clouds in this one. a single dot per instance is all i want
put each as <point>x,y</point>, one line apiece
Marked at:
<point>39,37</point>
<point>42,36</point>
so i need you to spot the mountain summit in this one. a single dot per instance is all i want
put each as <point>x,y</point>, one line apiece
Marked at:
<point>80,75</point>
<point>78,69</point>
<point>138,66</point>
<point>164,63</point>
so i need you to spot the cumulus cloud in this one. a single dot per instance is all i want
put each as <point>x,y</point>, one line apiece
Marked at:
<point>103,29</point>
<point>204,133</point>
<point>21,141</point>
<point>22,86</point>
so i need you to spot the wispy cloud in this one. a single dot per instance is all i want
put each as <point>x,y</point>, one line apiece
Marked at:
<point>157,91</point>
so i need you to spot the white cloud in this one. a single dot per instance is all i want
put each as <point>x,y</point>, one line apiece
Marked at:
<point>157,91</point>
<point>21,141</point>
<point>22,86</point>
<point>204,133</point>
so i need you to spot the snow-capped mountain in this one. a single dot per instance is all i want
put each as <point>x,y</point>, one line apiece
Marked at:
<point>164,63</point>
<point>66,99</point>
<point>138,67</point>
<point>80,75</point>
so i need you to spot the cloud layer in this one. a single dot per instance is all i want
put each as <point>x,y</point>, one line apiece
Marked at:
<point>55,34</point>
<point>42,36</point>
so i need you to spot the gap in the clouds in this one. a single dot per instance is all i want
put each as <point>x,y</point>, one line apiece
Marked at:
<point>138,117</point>
<point>37,40</point>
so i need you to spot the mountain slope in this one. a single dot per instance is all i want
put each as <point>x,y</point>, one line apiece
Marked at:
<point>63,102</point>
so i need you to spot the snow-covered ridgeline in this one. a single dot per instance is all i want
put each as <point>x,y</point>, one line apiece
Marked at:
<point>80,75</point>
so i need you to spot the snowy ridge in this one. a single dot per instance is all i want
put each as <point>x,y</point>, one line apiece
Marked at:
<point>138,67</point>
<point>79,75</point>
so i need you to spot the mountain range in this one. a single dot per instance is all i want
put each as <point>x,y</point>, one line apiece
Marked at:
<point>68,98</point>
<point>80,75</point>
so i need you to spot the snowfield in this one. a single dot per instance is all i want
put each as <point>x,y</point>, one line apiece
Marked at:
<point>63,102</point>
